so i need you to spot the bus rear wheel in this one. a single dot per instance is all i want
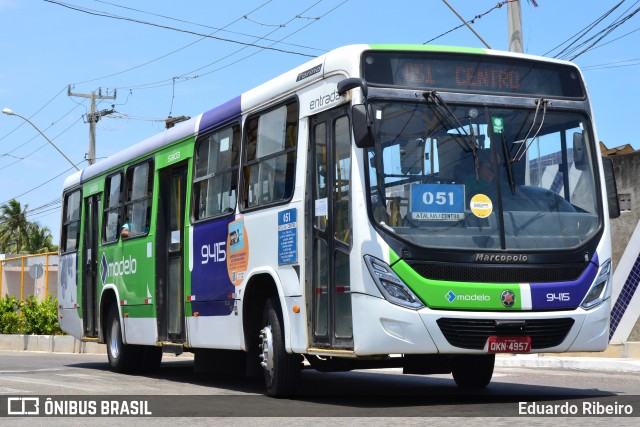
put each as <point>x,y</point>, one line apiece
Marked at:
<point>473,371</point>
<point>281,370</point>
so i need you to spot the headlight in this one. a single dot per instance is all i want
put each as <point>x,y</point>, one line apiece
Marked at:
<point>599,290</point>
<point>390,285</point>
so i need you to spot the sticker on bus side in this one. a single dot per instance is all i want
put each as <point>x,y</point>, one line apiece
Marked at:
<point>287,237</point>
<point>238,259</point>
<point>437,202</point>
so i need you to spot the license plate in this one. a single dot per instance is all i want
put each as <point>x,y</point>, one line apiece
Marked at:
<point>509,344</point>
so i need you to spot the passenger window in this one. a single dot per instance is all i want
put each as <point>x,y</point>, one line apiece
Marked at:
<point>71,223</point>
<point>138,204</point>
<point>112,206</point>
<point>270,156</point>
<point>216,178</point>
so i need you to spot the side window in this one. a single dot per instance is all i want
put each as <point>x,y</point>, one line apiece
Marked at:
<point>71,223</point>
<point>215,181</point>
<point>138,203</point>
<point>342,174</point>
<point>112,206</point>
<point>269,162</point>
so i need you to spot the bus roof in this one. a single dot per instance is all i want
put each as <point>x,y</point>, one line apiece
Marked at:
<point>337,61</point>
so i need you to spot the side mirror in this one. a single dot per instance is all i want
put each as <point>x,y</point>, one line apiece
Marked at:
<point>362,128</point>
<point>352,83</point>
<point>612,190</point>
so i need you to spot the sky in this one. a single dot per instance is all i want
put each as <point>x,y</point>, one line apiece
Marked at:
<point>162,58</point>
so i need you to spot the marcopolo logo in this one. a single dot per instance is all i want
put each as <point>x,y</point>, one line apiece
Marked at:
<point>123,267</point>
<point>451,297</point>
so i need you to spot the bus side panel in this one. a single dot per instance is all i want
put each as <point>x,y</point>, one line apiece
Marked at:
<point>210,282</point>
<point>213,295</point>
<point>68,292</point>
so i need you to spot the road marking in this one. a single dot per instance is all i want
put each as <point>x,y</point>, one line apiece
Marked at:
<point>82,376</point>
<point>27,371</point>
<point>47,382</point>
<point>7,390</point>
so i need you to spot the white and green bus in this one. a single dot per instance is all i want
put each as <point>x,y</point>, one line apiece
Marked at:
<point>423,207</point>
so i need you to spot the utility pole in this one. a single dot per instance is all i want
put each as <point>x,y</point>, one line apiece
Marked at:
<point>514,18</point>
<point>93,117</point>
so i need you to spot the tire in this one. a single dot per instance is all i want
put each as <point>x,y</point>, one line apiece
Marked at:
<point>281,370</point>
<point>123,358</point>
<point>473,371</point>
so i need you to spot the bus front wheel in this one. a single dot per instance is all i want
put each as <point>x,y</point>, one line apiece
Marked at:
<point>122,357</point>
<point>473,371</point>
<point>281,370</point>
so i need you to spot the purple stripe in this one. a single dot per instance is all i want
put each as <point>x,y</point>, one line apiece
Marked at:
<point>564,295</point>
<point>219,115</point>
<point>624,299</point>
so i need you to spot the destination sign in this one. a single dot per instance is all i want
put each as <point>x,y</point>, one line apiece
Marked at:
<point>472,73</point>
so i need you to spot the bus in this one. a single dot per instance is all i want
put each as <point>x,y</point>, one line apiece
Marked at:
<point>410,206</point>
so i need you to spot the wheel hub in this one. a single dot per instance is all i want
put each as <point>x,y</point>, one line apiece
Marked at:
<point>266,347</point>
<point>114,342</point>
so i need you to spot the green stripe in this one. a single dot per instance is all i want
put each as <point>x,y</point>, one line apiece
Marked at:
<point>428,48</point>
<point>463,295</point>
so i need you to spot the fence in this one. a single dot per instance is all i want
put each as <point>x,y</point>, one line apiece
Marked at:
<point>25,275</point>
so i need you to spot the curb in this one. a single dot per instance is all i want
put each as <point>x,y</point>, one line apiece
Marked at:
<point>575,363</point>
<point>50,344</point>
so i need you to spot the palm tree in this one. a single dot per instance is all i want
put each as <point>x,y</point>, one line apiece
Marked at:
<point>39,239</point>
<point>13,226</point>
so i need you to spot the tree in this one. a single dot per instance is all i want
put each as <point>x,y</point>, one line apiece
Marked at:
<point>13,226</point>
<point>39,239</point>
<point>18,235</point>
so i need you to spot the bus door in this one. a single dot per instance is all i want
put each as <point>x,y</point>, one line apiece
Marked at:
<point>91,234</point>
<point>170,253</point>
<point>332,325</point>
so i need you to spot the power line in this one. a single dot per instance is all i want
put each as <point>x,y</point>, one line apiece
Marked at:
<point>617,64</point>
<point>223,29</point>
<point>184,77</point>
<point>185,46</point>
<point>577,36</point>
<point>34,114</point>
<point>42,146</point>
<point>8,153</point>
<point>167,27</point>
<point>605,33</point>
<point>471,21</point>
<point>41,185</point>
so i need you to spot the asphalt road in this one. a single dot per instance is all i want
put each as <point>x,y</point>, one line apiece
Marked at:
<point>379,396</point>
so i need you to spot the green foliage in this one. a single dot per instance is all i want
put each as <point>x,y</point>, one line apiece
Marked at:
<point>10,320</point>
<point>29,317</point>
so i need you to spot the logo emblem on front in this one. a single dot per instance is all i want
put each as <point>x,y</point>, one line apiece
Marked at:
<point>508,298</point>
<point>450,296</point>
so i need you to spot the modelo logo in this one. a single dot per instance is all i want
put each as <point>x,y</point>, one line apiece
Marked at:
<point>216,252</point>
<point>451,297</point>
<point>124,267</point>
<point>173,157</point>
<point>560,296</point>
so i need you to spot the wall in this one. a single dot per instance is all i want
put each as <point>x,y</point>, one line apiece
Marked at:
<point>627,171</point>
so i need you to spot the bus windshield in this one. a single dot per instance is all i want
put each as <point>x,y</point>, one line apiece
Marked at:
<point>476,177</point>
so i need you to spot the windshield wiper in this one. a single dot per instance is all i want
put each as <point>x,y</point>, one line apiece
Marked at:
<point>441,108</point>
<point>522,150</point>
